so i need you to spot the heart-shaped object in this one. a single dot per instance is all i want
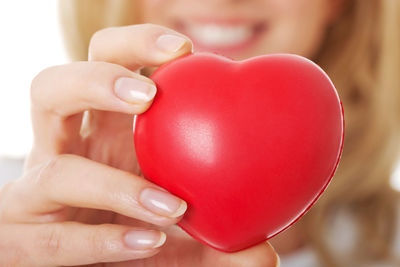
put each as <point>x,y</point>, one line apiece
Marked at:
<point>250,145</point>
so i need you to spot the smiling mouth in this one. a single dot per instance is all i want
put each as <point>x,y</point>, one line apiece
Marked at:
<point>223,36</point>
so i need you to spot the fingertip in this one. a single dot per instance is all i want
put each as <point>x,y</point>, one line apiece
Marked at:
<point>172,46</point>
<point>181,210</point>
<point>167,44</point>
<point>170,43</point>
<point>137,109</point>
<point>142,239</point>
<point>163,238</point>
<point>134,91</point>
<point>162,203</point>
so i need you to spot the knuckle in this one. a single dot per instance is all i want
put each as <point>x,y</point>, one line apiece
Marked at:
<point>94,39</point>
<point>99,247</point>
<point>37,84</point>
<point>97,39</point>
<point>50,240</point>
<point>48,171</point>
<point>100,33</point>
<point>5,189</point>
<point>4,203</point>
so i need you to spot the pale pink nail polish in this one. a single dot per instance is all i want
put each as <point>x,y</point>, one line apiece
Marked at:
<point>162,203</point>
<point>134,91</point>
<point>144,239</point>
<point>170,43</point>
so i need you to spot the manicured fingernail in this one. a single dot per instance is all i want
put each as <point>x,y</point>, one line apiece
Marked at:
<point>162,203</point>
<point>144,239</point>
<point>134,90</point>
<point>170,43</point>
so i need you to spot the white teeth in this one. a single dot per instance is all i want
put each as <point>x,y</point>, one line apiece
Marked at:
<point>220,35</point>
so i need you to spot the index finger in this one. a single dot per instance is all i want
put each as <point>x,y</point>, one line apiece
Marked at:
<point>138,45</point>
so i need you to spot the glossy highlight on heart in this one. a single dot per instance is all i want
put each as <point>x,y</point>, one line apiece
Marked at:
<point>250,145</point>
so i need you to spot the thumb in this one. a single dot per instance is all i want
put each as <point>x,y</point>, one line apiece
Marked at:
<point>261,255</point>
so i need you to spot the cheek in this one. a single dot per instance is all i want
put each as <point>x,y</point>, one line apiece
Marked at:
<point>294,7</point>
<point>161,11</point>
<point>152,3</point>
<point>297,26</point>
<point>153,10</point>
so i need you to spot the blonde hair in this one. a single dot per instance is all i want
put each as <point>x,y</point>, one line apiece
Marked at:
<point>361,53</point>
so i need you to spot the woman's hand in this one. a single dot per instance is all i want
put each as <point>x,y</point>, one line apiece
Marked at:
<point>81,200</point>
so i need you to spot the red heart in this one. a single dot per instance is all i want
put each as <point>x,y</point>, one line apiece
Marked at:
<point>249,145</point>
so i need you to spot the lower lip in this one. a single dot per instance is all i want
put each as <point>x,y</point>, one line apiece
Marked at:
<point>228,50</point>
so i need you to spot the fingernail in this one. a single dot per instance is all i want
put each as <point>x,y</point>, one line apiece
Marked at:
<point>170,43</point>
<point>144,239</point>
<point>162,203</point>
<point>134,90</point>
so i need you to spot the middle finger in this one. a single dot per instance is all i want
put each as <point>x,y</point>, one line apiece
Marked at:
<point>70,180</point>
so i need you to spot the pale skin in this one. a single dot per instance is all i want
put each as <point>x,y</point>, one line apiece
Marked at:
<point>80,200</point>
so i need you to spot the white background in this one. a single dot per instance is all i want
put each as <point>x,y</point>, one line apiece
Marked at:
<point>30,40</point>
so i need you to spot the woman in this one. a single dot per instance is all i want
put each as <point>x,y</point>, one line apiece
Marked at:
<point>81,200</point>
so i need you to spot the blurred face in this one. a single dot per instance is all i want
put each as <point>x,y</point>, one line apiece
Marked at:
<point>243,28</point>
